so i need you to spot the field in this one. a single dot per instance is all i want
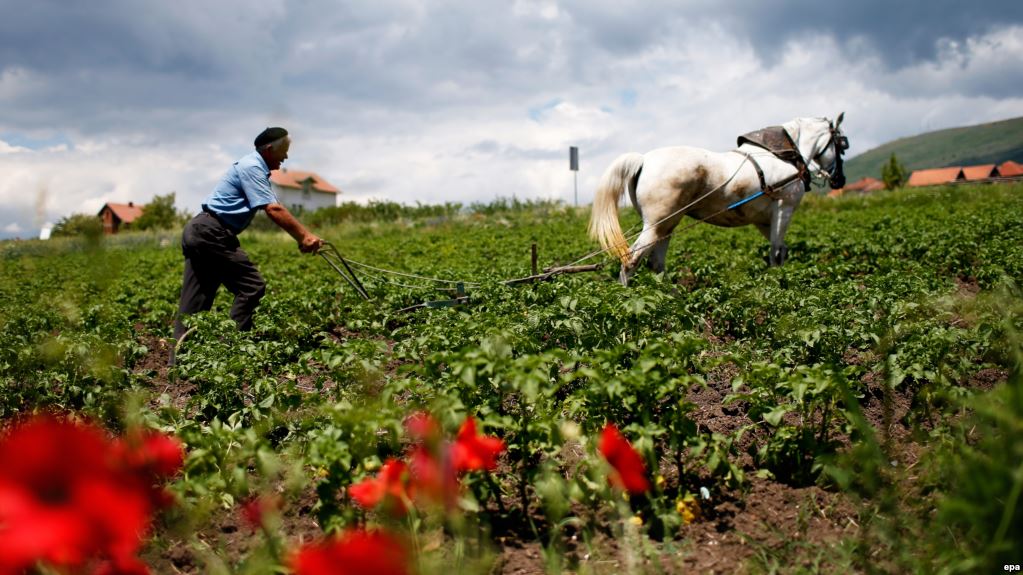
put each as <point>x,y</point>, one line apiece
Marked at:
<point>858,410</point>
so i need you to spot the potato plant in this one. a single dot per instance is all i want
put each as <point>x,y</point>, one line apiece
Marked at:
<point>911,295</point>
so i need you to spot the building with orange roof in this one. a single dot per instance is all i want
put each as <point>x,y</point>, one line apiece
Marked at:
<point>303,191</point>
<point>935,177</point>
<point>865,184</point>
<point>116,215</point>
<point>982,172</point>
<point>1010,169</point>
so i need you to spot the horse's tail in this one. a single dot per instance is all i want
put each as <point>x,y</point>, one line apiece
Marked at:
<point>604,226</point>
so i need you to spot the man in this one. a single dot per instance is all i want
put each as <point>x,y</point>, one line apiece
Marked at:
<point>209,242</point>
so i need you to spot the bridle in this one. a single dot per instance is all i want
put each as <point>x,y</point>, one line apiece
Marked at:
<point>836,176</point>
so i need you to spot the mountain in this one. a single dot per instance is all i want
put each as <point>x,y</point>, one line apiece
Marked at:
<point>991,143</point>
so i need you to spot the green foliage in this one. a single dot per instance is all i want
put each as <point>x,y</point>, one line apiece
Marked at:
<point>159,214</point>
<point>83,225</point>
<point>982,507</point>
<point>883,297</point>
<point>378,211</point>
<point>894,174</point>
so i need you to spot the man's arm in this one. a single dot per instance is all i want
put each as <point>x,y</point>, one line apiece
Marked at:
<point>307,242</point>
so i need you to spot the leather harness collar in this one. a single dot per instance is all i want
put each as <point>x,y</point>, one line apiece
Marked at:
<point>777,141</point>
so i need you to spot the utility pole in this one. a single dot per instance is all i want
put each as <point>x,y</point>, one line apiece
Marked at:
<point>573,164</point>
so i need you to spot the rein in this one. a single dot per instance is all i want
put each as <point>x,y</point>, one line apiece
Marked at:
<point>779,146</point>
<point>746,158</point>
<point>769,189</point>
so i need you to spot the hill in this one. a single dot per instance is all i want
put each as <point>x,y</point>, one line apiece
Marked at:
<point>995,142</point>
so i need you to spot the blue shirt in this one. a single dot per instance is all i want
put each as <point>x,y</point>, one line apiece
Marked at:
<point>243,190</point>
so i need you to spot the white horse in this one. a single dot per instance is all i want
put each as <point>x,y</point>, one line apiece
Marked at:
<point>760,183</point>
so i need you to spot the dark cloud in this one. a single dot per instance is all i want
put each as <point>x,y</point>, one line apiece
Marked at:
<point>902,32</point>
<point>182,87</point>
<point>112,64</point>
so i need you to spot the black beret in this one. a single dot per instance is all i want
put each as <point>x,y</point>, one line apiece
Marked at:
<point>269,135</point>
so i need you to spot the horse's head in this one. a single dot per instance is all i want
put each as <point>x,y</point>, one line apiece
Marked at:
<point>830,144</point>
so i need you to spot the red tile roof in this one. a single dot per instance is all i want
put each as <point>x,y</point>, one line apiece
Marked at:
<point>935,177</point>
<point>1010,169</point>
<point>294,179</point>
<point>124,212</point>
<point>980,172</point>
<point>865,184</point>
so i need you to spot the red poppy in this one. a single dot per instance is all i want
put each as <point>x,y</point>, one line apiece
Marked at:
<point>472,452</point>
<point>628,471</point>
<point>69,495</point>
<point>389,486</point>
<point>354,552</point>
<point>128,566</point>
<point>434,478</point>
<point>257,510</point>
<point>154,454</point>
<point>149,457</point>
<point>421,426</point>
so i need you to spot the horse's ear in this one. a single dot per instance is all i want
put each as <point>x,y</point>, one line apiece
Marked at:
<point>838,122</point>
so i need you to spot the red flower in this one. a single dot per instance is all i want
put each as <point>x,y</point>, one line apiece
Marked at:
<point>390,486</point>
<point>256,511</point>
<point>434,478</point>
<point>128,566</point>
<point>472,452</point>
<point>421,426</point>
<point>150,457</point>
<point>154,453</point>
<point>69,495</point>
<point>628,471</point>
<point>354,552</point>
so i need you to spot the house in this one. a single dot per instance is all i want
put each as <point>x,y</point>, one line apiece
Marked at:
<point>862,185</point>
<point>303,191</point>
<point>1010,169</point>
<point>116,215</point>
<point>982,172</point>
<point>935,177</point>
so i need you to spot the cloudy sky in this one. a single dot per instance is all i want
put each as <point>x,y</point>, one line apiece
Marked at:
<point>461,100</point>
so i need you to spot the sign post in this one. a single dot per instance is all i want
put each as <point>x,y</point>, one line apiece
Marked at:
<point>573,164</point>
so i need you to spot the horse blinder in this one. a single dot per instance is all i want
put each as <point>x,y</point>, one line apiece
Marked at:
<point>837,178</point>
<point>841,144</point>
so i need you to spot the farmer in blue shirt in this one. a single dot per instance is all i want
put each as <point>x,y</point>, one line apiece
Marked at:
<point>213,256</point>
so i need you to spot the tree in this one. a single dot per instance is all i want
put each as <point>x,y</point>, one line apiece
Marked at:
<point>91,227</point>
<point>159,214</point>
<point>894,174</point>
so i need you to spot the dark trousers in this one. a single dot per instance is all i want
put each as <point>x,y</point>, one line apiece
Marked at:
<point>213,257</point>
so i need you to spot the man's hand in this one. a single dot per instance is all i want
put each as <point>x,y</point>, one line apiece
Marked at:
<point>310,244</point>
<point>307,242</point>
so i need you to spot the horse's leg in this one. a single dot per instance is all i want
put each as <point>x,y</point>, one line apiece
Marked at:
<point>644,243</point>
<point>658,255</point>
<point>781,216</point>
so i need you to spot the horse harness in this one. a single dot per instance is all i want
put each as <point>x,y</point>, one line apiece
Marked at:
<point>779,143</point>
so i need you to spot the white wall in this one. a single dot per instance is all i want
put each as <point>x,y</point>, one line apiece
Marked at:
<point>291,197</point>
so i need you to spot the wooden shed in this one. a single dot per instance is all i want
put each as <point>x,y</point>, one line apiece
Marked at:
<point>116,215</point>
